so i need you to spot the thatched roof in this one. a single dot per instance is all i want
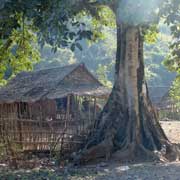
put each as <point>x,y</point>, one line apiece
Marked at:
<point>166,102</point>
<point>157,93</point>
<point>51,84</point>
<point>160,96</point>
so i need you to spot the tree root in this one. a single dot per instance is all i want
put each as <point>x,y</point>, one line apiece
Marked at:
<point>102,150</point>
<point>132,153</point>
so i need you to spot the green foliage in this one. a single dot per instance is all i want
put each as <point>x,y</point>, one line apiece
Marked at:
<point>105,18</point>
<point>175,93</point>
<point>151,34</point>
<point>102,75</point>
<point>102,53</point>
<point>149,71</point>
<point>171,15</point>
<point>49,59</point>
<point>154,54</point>
<point>19,51</point>
<point>56,23</point>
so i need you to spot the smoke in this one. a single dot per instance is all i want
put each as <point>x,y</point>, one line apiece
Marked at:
<point>137,12</point>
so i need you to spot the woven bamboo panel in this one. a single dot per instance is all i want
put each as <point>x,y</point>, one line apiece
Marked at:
<point>42,135</point>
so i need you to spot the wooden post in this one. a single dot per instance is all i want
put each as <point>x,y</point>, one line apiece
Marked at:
<point>30,110</point>
<point>67,114</point>
<point>78,114</point>
<point>20,125</point>
<point>67,110</point>
<point>89,111</point>
<point>83,119</point>
<point>65,127</point>
<point>76,111</point>
<point>94,115</point>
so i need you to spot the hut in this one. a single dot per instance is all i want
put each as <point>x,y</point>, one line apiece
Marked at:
<point>156,93</point>
<point>167,107</point>
<point>51,107</point>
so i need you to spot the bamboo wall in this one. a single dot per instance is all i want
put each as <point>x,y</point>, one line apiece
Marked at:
<point>41,126</point>
<point>172,113</point>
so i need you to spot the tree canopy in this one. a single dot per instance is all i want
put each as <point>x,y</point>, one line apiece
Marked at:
<point>62,23</point>
<point>65,23</point>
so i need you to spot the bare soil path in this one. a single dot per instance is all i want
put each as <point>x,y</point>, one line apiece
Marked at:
<point>103,171</point>
<point>145,171</point>
<point>172,130</point>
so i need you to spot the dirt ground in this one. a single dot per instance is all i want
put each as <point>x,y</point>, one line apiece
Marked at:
<point>145,171</point>
<point>172,130</point>
<point>102,171</point>
<point>105,170</point>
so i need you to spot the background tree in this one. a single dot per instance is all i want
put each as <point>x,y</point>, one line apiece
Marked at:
<point>171,15</point>
<point>102,65</point>
<point>156,48</point>
<point>127,127</point>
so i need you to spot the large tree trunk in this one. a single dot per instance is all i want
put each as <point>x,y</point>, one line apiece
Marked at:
<point>128,127</point>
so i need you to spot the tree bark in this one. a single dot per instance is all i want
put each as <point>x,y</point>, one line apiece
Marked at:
<point>128,128</point>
